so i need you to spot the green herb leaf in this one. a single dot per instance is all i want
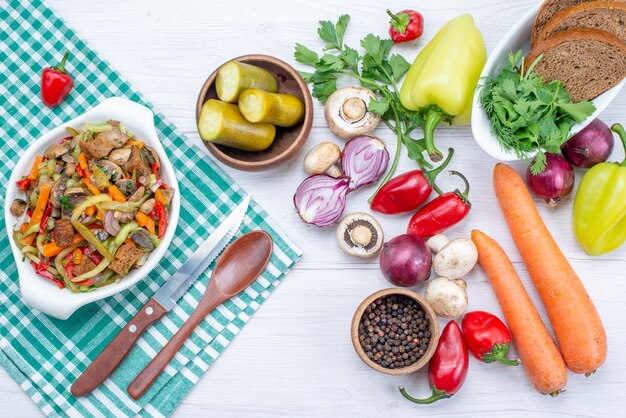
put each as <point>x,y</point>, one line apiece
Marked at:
<point>378,106</point>
<point>340,28</point>
<point>333,62</point>
<point>305,56</point>
<point>539,163</point>
<point>66,203</point>
<point>351,57</point>
<point>399,66</point>
<point>306,76</point>
<point>578,111</point>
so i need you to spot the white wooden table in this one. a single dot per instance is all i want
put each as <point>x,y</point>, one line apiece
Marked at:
<point>295,358</point>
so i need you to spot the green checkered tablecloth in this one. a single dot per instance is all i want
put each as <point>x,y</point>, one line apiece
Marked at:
<point>46,355</point>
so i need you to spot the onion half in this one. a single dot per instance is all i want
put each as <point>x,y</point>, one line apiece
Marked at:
<point>364,159</point>
<point>321,199</point>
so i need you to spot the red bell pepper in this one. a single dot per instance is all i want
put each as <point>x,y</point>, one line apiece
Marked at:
<point>56,83</point>
<point>406,26</point>
<point>159,210</point>
<point>408,191</point>
<point>487,337</point>
<point>441,213</point>
<point>69,266</point>
<point>42,270</point>
<point>23,183</point>
<point>155,169</point>
<point>44,218</point>
<point>94,257</point>
<point>448,367</point>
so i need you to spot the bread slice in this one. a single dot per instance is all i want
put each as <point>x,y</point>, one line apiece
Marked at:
<point>609,16</point>
<point>587,61</point>
<point>549,8</point>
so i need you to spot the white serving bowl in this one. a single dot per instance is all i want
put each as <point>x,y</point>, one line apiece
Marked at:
<point>43,294</point>
<point>518,37</point>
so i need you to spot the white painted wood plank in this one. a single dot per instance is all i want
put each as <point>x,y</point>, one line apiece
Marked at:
<point>295,358</point>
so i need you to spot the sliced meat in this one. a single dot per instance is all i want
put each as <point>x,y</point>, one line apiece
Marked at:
<point>85,266</point>
<point>63,232</point>
<point>103,143</point>
<point>136,163</point>
<point>18,207</point>
<point>125,257</point>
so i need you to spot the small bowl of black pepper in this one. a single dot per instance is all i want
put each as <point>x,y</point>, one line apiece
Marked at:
<point>395,331</point>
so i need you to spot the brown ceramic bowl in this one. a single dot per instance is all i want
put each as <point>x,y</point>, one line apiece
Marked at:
<point>433,327</point>
<point>288,141</point>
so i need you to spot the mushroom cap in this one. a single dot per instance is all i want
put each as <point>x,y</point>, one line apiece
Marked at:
<point>346,112</point>
<point>321,158</point>
<point>360,234</point>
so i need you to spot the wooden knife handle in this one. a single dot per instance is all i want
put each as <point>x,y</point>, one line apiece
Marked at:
<point>149,374</point>
<point>113,354</point>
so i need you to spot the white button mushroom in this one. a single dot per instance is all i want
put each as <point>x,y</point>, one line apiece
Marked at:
<point>437,242</point>
<point>456,258</point>
<point>346,112</point>
<point>360,234</point>
<point>447,296</point>
<point>322,158</point>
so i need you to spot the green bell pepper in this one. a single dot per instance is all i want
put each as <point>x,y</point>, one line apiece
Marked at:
<point>599,214</point>
<point>443,78</point>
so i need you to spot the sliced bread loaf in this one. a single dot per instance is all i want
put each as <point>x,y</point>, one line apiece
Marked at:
<point>587,61</point>
<point>548,9</point>
<point>609,16</point>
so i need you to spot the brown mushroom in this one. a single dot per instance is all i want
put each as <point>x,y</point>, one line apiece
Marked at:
<point>57,150</point>
<point>18,207</point>
<point>119,156</point>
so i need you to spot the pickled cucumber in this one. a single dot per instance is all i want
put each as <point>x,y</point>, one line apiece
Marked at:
<point>279,109</point>
<point>234,77</point>
<point>222,123</point>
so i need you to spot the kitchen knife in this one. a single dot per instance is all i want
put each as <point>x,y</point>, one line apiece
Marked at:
<point>163,301</point>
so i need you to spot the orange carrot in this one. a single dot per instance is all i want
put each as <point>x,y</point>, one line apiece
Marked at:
<point>540,356</point>
<point>146,222</point>
<point>40,207</point>
<point>35,170</point>
<point>158,196</point>
<point>116,194</point>
<point>574,317</point>
<point>82,161</point>
<point>90,210</point>
<point>135,143</point>
<point>77,256</point>
<point>51,249</point>
<point>93,189</point>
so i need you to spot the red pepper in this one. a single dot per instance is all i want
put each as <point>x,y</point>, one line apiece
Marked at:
<point>81,171</point>
<point>408,191</point>
<point>23,183</point>
<point>44,218</point>
<point>487,337</point>
<point>155,169</point>
<point>41,269</point>
<point>69,266</point>
<point>95,258</point>
<point>406,25</point>
<point>441,213</point>
<point>56,83</point>
<point>86,282</point>
<point>159,210</point>
<point>448,367</point>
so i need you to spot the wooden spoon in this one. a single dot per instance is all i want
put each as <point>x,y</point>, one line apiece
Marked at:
<point>240,264</point>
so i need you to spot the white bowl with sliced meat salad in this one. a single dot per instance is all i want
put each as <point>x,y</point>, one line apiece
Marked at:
<point>580,43</point>
<point>91,208</point>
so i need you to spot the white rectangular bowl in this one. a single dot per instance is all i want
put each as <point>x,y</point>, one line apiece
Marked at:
<point>43,294</point>
<point>518,37</point>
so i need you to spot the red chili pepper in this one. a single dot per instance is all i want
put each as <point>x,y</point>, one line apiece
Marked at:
<point>441,213</point>
<point>81,171</point>
<point>56,83</point>
<point>487,337</point>
<point>44,218</point>
<point>155,169</point>
<point>406,25</point>
<point>159,210</point>
<point>95,258</point>
<point>41,269</point>
<point>448,367</point>
<point>408,191</point>
<point>23,183</point>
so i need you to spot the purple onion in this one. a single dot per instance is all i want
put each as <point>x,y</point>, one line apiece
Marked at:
<point>554,182</point>
<point>406,260</point>
<point>321,199</point>
<point>364,159</point>
<point>592,145</point>
<point>111,225</point>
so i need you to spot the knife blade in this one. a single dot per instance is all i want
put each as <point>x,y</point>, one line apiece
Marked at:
<point>162,302</point>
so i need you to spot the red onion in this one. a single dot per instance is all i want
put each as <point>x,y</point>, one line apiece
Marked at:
<point>364,159</point>
<point>553,183</point>
<point>406,260</point>
<point>593,145</point>
<point>321,199</point>
<point>111,225</point>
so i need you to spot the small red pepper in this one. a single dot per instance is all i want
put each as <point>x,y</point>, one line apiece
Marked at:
<point>487,337</point>
<point>69,266</point>
<point>448,367</point>
<point>95,258</point>
<point>56,83</point>
<point>86,282</point>
<point>408,191</point>
<point>155,169</point>
<point>44,218</point>
<point>23,183</point>
<point>81,171</point>
<point>41,269</point>
<point>159,210</point>
<point>441,213</point>
<point>406,25</point>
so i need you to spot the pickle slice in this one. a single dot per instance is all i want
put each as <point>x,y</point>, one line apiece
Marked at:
<point>234,77</point>
<point>222,123</point>
<point>279,109</point>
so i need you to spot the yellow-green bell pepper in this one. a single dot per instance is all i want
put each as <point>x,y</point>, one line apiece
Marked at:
<point>599,214</point>
<point>442,80</point>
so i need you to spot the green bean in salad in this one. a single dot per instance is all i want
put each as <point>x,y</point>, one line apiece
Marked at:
<point>87,215</point>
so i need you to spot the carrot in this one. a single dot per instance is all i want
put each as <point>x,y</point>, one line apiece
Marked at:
<point>94,190</point>
<point>52,249</point>
<point>77,256</point>
<point>82,161</point>
<point>90,210</point>
<point>158,196</point>
<point>135,143</point>
<point>35,170</point>
<point>40,207</point>
<point>576,322</point>
<point>146,222</point>
<point>116,194</point>
<point>540,356</point>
